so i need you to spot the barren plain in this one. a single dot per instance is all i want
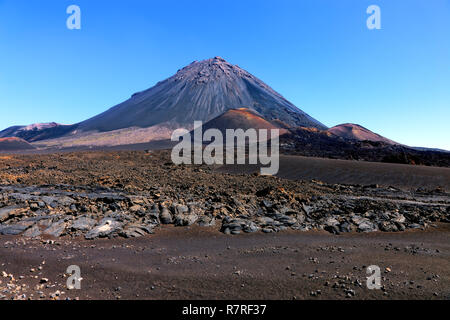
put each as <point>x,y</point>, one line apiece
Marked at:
<point>140,227</point>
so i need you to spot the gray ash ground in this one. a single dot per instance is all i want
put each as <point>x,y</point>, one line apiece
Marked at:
<point>201,263</point>
<point>63,202</point>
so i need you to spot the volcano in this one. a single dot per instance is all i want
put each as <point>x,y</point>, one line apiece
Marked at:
<point>199,92</point>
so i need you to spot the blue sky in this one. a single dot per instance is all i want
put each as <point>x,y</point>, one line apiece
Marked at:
<point>318,54</point>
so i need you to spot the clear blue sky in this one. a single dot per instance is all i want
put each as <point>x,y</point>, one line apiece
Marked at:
<point>319,54</point>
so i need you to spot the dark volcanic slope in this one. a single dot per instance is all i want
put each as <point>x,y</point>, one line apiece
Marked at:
<point>357,132</point>
<point>11,131</point>
<point>14,144</point>
<point>317,143</point>
<point>403,176</point>
<point>201,91</point>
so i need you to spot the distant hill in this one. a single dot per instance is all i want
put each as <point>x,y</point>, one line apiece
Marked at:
<point>36,132</point>
<point>356,132</point>
<point>322,143</point>
<point>242,118</point>
<point>430,149</point>
<point>14,144</point>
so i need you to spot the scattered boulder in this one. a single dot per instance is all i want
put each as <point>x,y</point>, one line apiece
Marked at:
<point>183,220</point>
<point>7,212</point>
<point>56,229</point>
<point>166,216</point>
<point>251,227</point>
<point>32,232</point>
<point>105,228</point>
<point>136,231</point>
<point>367,226</point>
<point>399,218</point>
<point>15,229</point>
<point>83,224</point>
<point>345,227</point>
<point>154,212</point>
<point>206,221</point>
<point>387,226</point>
